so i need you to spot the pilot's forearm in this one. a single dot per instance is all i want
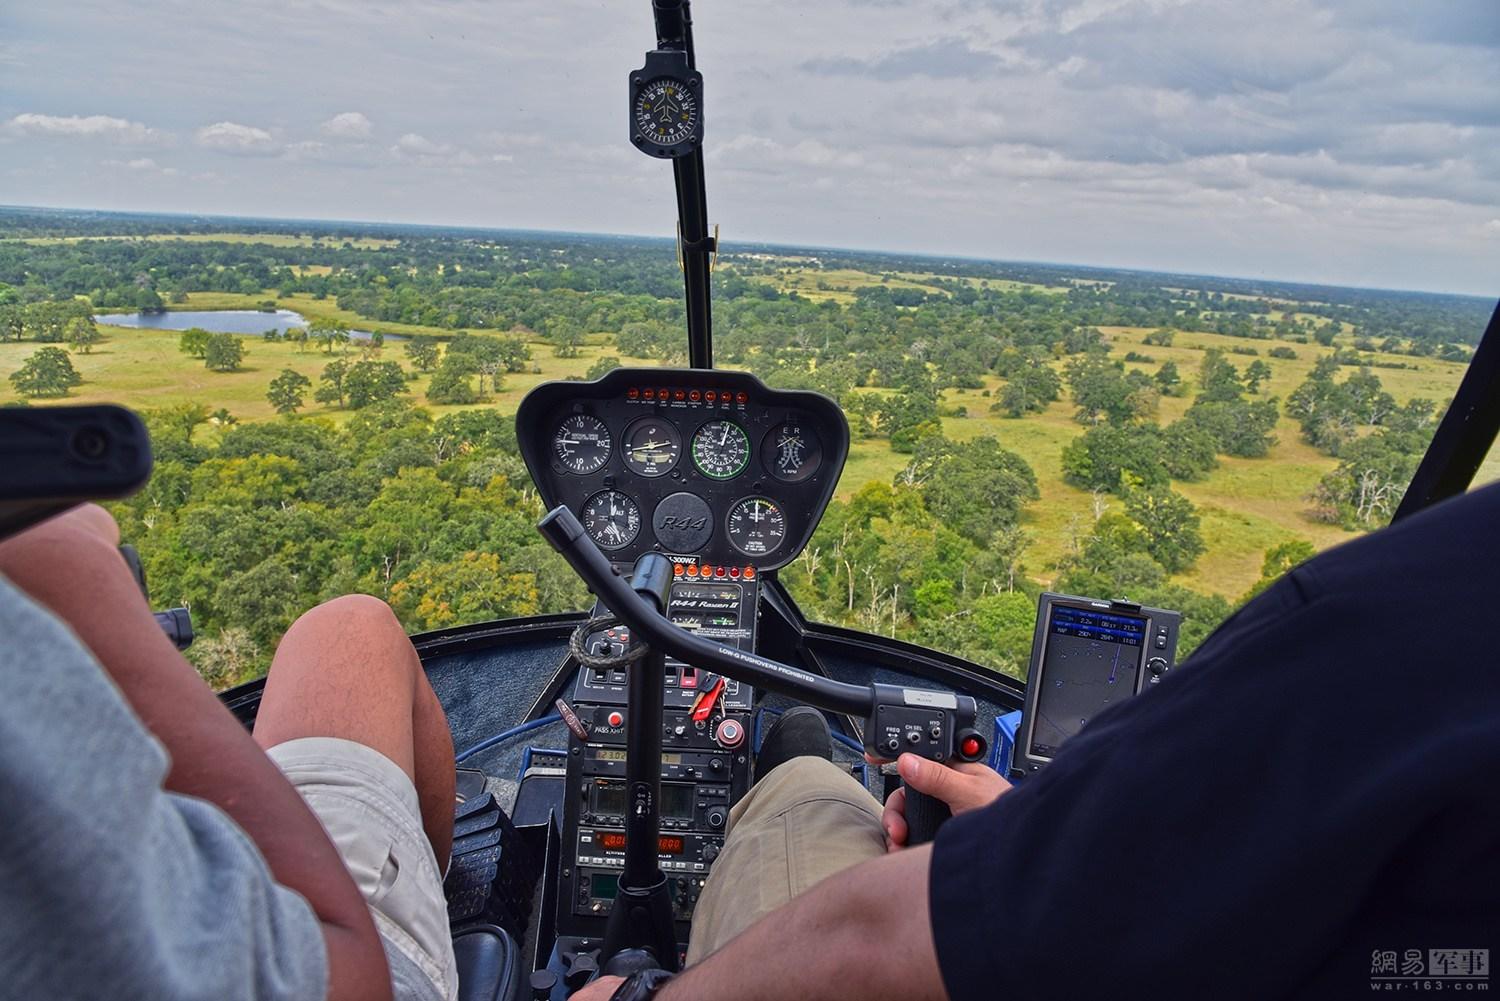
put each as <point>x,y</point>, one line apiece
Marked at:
<point>863,933</point>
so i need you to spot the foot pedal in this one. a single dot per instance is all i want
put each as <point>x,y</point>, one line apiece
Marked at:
<point>493,873</point>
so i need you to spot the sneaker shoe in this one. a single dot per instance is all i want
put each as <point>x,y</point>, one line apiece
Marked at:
<point>800,731</point>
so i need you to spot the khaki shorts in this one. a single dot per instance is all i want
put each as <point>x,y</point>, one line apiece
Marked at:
<point>805,821</point>
<point>368,806</point>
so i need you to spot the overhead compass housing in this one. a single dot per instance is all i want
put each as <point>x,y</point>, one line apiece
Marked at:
<point>666,105</point>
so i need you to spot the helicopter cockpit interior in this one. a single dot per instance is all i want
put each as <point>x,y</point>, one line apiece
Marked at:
<point>600,752</point>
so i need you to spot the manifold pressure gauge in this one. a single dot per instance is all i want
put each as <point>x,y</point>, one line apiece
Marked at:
<point>666,105</point>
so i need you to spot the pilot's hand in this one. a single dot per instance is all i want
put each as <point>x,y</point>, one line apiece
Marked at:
<point>964,786</point>
<point>601,989</point>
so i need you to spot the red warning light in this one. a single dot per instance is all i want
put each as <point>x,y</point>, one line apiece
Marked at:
<point>734,572</point>
<point>650,394</point>
<point>710,396</point>
<point>679,395</point>
<point>743,398</point>
<point>719,571</point>
<point>695,396</point>
<point>632,393</point>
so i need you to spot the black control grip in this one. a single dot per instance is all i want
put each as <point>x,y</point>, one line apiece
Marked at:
<point>924,815</point>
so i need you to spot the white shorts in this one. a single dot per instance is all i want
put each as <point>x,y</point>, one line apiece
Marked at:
<point>369,808</point>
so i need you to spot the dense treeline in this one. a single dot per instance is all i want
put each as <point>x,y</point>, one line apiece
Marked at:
<point>250,523</point>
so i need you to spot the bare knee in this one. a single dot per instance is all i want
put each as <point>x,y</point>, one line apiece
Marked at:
<point>353,633</point>
<point>361,613</point>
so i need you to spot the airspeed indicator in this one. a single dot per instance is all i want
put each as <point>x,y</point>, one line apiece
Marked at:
<point>721,450</point>
<point>757,526</point>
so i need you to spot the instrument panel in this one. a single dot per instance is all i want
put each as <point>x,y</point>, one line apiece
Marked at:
<point>691,462</point>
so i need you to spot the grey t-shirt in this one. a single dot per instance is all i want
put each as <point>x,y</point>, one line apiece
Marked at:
<point>111,887</point>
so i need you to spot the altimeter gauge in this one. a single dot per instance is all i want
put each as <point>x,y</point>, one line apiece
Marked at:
<point>582,444</point>
<point>652,447</point>
<point>756,526</point>
<point>721,450</point>
<point>792,452</point>
<point>612,519</point>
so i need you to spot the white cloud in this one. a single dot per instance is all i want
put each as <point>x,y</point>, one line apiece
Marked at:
<point>142,165</point>
<point>232,137</point>
<point>349,125</point>
<point>118,130</point>
<point>418,149</point>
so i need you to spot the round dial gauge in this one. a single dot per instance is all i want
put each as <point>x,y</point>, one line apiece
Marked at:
<point>582,444</point>
<point>666,112</point>
<point>651,446</point>
<point>792,451</point>
<point>611,519</point>
<point>756,526</point>
<point>721,450</point>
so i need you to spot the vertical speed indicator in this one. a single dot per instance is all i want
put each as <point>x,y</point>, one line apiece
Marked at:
<point>757,526</point>
<point>582,444</point>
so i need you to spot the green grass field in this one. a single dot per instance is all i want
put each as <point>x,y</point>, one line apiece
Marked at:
<point>1246,505</point>
<point>265,239</point>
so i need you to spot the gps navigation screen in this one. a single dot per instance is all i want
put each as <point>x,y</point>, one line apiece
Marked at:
<point>1092,659</point>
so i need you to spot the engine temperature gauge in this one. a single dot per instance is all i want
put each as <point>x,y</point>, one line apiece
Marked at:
<point>612,519</point>
<point>757,526</point>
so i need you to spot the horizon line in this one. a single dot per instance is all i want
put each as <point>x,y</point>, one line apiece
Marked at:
<point>872,251</point>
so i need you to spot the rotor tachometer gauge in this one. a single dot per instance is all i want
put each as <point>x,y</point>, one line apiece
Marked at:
<point>665,112</point>
<point>612,519</point>
<point>792,451</point>
<point>652,447</point>
<point>757,526</point>
<point>582,444</point>
<point>721,450</point>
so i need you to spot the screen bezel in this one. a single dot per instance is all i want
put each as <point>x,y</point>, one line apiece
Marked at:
<point>1022,754</point>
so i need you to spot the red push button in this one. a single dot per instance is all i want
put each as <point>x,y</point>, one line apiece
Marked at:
<point>616,718</point>
<point>970,748</point>
<point>731,734</point>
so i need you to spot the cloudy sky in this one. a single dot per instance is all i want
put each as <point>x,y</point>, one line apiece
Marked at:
<point>1349,141</point>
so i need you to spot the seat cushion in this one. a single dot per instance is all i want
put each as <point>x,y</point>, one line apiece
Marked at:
<point>489,964</point>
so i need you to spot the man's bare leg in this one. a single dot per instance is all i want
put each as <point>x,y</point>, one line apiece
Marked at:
<point>70,565</point>
<point>346,669</point>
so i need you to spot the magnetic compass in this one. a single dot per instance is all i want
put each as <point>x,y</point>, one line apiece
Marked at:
<point>666,111</point>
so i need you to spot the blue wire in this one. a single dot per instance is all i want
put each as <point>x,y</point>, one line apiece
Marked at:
<point>503,736</point>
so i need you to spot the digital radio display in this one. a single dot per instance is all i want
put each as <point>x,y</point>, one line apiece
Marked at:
<point>666,844</point>
<point>676,799</point>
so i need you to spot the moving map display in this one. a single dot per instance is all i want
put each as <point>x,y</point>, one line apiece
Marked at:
<point>1092,659</point>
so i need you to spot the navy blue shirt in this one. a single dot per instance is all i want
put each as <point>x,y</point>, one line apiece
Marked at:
<point>1313,799</point>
